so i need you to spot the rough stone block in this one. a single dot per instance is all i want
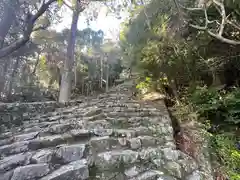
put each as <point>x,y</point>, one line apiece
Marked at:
<point>147,141</point>
<point>6,176</point>
<point>14,148</point>
<point>74,170</point>
<point>133,171</point>
<point>13,161</point>
<point>92,111</point>
<point>71,153</point>
<point>113,159</point>
<point>29,172</point>
<point>150,153</point>
<point>106,175</point>
<point>42,156</point>
<point>173,169</point>
<point>196,175</point>
<point>135,143</point>
<point>102,132</point>
<point>148,175</point>
<point>100,144</point>
<point>47,141</point>
<point>25,137</point>
<point>170,154</point>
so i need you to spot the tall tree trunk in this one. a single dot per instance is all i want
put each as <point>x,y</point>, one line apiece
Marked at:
<point>67,76</point>
<point>36,64</point>
<point>107,77</point>
<point>101,71</point>
<point>75,75</point>
<point>14,72</point>
<point>3,71</point>
<point>7,19</point>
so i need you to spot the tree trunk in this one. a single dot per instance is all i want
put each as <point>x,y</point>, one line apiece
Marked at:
<point>14,72</point>
<point>101,76</point>
<point>8,18</point>
<point>107,77</point>
<point>3,71</point>
<point>67,76</point>
<point>216,79</point>
<point>75,75</point>
<point>36,64</point>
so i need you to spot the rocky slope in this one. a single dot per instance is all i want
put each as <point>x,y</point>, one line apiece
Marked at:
<point>109,137</point>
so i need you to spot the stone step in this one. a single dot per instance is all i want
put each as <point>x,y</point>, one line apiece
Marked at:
<point>134,114</point>
<point>112,160</point>
<point>29,172</point>
<point>109,137</point>
<point>77,170</point>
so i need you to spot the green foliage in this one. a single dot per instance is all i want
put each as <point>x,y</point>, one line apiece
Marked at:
<point>224,147</point>
<point>43,63</point>
<point>144,85</point>
<point>156,45</point>
<point>60,2</point>
<point>218,106</point>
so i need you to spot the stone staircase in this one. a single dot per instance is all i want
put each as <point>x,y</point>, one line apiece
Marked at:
<point>108,137</point>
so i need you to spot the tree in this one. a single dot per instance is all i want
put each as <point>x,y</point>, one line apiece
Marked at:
<point>29,20</point>
<point>67,75</point>
<point>217,17</point>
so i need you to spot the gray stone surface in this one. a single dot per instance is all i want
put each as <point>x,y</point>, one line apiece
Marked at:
<point>6,176</point>
<point>170,154</point>
<point>135,143</point>
<point>113,159</point>
<point>13,161</point>
<point>71,152</point>
<point>196,175</point>
<point>107,137</point>
<point>148,175</point>
<point>133,171</point>
<point>173,169</point>
<point>30,172</point>
<point>77,170</point>
<point>14,148</point>
<point>43,156</point>
<point>25,137</point>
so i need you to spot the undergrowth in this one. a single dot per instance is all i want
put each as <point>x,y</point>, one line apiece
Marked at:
<point>219,113</point>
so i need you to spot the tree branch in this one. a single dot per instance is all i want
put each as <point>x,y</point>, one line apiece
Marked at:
<point>221,9</point>
<point>233,24</point>
<point>223,14</point>
<point>27,32</point>
<point>70,7</point>
<point>43,27</point>
<point>223,39</point>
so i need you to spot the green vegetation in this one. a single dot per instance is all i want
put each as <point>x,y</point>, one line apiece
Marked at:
<point>191,65</point>
<point>220,110</point>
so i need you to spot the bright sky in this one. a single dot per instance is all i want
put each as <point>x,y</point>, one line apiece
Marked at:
<point>106,22</point>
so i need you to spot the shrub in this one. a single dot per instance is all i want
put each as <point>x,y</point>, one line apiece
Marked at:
<point>220,107</point>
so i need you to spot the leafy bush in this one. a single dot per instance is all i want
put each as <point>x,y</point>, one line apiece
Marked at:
<point>225,149</point>
<point>144,86</point>
<point>220,107</point>
<point>222,110</point>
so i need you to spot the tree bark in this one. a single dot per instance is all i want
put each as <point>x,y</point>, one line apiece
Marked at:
<point>36,64</point>
<point>13,74</point>
<point>107,77</point>
<point>101,72</point>
<point>67,76</point>
<point>7,19</point>
<point>3,70</point>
